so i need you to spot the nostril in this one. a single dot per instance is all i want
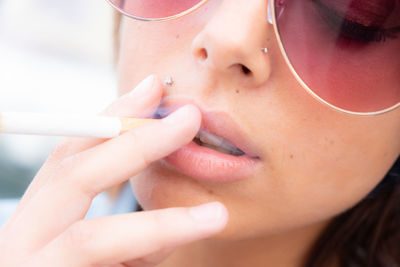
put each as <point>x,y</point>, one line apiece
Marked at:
<point>202,54</point>
<point>245,70</point>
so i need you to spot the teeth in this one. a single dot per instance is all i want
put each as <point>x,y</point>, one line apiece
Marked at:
<point>218,143</point>
<point>207,139</point>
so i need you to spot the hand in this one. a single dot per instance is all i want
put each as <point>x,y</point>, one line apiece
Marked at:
<point>48,227</point>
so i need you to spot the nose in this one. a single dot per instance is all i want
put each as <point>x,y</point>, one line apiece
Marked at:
<point>230,44</point>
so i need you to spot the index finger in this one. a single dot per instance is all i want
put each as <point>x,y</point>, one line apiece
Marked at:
<point>83,176</point>
<point>133,236</point>
<point>140,103</point>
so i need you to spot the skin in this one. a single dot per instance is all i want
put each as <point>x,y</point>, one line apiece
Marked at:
<point>316,162</point>
<point>48,227</point>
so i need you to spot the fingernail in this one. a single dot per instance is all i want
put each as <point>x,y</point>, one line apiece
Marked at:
<point>143,87</point>
<point>210,212</point>
<point>178,116</point>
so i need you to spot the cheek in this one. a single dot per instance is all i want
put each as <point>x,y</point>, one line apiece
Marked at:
<point>327,164</point>
<point>154,48</point>
<point>317,162</point>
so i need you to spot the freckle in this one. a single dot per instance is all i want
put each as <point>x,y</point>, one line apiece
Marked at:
<point>177,36</point>
<point>291,156</point>
<point>210,191</point>
<point>237,91</point>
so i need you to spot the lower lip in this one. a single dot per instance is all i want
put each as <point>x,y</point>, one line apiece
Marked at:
<point>205,164</point>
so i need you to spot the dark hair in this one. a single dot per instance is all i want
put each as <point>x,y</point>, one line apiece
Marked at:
<point>368,234</point>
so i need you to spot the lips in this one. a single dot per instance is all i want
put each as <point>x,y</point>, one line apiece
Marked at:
<point>234,159</point>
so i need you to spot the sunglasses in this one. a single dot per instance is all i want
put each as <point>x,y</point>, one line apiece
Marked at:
<point>344,53</point>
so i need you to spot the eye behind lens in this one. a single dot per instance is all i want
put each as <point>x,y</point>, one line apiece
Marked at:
<point>348,65</point>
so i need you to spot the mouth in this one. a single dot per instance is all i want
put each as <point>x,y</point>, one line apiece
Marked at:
<point>207,139</point>
<point>218,153</point>
<point>217,143</point>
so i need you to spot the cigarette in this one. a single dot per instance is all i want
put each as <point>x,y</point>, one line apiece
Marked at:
<point>67,124</point>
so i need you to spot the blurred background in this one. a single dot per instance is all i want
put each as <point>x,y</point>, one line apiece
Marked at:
<point>55,56</point>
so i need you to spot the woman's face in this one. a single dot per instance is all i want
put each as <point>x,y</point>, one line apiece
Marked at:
<point>312,162</point>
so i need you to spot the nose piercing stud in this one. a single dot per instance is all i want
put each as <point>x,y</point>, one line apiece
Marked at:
<point>265,50</point>
<point>168,81</point>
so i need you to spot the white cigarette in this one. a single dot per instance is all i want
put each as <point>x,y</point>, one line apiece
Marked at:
<point>67,124</point>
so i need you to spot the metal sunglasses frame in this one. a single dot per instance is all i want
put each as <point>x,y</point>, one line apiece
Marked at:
<point>273,22</point>
<point>190,10</point>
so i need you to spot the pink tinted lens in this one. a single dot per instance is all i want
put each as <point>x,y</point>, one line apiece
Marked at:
<point>347,52</point>
<point>154,9</point>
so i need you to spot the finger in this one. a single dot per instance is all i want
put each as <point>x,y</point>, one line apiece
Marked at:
<point>140,103</point>
<point>66,198</point>
<point>136,237</point>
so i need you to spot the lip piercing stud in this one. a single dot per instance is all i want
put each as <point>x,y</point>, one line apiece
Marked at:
<point>168,81</point>
<point>265,50</point>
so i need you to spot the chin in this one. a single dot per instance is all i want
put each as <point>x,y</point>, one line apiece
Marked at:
<point>159,187</point>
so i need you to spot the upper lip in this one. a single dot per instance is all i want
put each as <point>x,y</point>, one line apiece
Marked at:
<point>218,123</point>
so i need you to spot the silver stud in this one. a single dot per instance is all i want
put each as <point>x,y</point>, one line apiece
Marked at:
<point>265,50</point>
<point>168,81</point>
